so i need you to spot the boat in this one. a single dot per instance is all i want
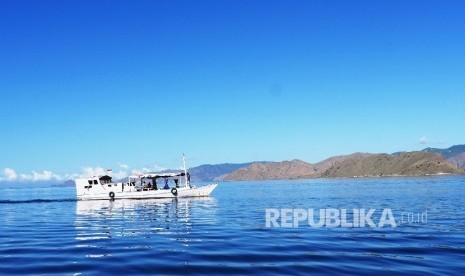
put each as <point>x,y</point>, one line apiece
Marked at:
<point>141,186</point>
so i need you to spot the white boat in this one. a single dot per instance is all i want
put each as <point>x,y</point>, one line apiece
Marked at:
<point>141,186</point>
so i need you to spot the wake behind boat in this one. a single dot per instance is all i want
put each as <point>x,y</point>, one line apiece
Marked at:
<point>148,185</point>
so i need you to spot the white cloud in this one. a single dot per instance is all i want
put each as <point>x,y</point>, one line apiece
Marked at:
<point>423,140</point>
<point>8,174</point>
<point>40,176</point>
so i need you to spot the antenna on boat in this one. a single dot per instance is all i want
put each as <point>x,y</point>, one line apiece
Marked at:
<point>185,169</point>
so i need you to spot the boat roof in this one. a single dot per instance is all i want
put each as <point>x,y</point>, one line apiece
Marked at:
<point>143,175</point>
<point>156,175</point>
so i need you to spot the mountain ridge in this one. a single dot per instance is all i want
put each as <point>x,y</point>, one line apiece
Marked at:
<point>353,165</point>
<point>448,152</point>
<point>454,155</point>
<point>428,161</point>
<point>436,161</point>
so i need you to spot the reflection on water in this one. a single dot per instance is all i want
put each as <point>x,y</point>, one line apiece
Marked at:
<point>103,224</point>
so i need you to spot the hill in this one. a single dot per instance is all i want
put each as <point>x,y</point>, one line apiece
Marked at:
<point>214,172</point>
<point>454,155</point>
<point>405,164</point>
<point>458,161</point>
<point>449,152</point>
<point>274,170</point>
<point>295,169</point>
<point>357,164</point>
<point>326,164</point>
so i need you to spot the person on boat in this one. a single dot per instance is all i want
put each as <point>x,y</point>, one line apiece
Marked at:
<point>166,185</point>
<point>155,184</point>
<point>144,185</point>
<point>176,182</point>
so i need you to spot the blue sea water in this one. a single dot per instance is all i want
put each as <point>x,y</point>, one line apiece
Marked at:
<point>46,231</point>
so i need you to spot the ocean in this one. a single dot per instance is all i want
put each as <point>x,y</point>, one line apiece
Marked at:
<point>45,231</point>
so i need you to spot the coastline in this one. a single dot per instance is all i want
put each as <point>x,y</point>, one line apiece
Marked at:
<point>355,177</point>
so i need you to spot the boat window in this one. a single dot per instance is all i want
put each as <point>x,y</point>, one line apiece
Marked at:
<point>109,185</point>
<point>95,182</point>
<point>90,182</point>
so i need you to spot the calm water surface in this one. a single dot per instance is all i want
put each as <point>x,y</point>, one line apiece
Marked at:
<point>45,231</point>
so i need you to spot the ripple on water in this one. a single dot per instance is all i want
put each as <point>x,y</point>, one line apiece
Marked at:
<point>226,234</point>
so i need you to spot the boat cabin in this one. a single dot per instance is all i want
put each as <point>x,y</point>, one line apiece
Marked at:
<point>159,181</point>
<point>134,183</point>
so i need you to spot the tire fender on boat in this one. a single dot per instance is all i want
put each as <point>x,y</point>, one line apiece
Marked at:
<point>112,195</point>
<point>174,191</point>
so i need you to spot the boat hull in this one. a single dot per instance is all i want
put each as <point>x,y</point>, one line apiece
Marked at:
<point>202,191</point>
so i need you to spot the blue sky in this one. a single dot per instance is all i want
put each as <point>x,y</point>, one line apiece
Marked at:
<point>87,85</point>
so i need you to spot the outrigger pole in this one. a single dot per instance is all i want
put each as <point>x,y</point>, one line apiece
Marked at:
<point>185,169</point>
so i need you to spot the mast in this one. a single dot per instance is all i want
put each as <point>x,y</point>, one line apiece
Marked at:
<point>185,169</point>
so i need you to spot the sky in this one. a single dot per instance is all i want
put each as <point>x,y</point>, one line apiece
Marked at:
<point>132,85</point>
